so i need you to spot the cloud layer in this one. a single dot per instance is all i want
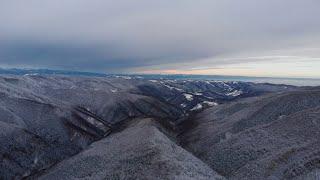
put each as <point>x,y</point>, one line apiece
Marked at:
<point>126,36</point>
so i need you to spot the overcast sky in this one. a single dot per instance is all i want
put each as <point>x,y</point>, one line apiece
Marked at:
<point>228,37</point>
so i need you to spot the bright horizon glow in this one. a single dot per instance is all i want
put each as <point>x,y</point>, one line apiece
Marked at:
<point>266,66</point>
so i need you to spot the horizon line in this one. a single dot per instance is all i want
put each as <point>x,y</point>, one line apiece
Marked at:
<point>163,74</point>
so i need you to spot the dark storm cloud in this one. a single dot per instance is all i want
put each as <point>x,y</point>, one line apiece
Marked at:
<point>118,35</point>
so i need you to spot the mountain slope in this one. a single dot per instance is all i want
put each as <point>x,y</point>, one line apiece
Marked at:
<point>140,151</point>
<point>274,136</point>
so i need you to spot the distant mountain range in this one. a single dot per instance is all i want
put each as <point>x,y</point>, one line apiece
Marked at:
<point>274,80</point>
<point>15,71</point>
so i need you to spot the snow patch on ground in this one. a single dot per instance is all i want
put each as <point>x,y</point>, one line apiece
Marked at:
<point>197,107</point>
<point>32,74</point>
<point>234,93</point>
<point>170,87</point>
<point>183,105</point>
<point>209,103</point>
<point>123,77</point>
<point>189,97</point>
<point>114,90</point>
